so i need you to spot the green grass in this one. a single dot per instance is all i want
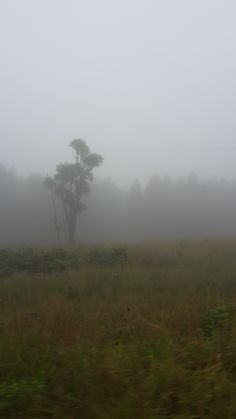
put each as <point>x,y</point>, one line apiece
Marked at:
<point>91,333</point>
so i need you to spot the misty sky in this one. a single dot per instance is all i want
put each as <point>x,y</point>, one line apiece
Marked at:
<point>149,84</point>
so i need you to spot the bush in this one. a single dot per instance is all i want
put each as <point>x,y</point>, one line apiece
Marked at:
<point>116,256</point>
<point>217,318</point>
<point>37,260</point>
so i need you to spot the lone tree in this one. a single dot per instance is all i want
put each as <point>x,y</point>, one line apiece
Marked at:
<point>71,182</point>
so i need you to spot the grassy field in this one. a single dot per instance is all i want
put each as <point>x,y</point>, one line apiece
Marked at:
<point>148,332</point>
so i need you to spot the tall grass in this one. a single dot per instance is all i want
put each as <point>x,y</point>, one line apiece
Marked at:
<point>120,339</point>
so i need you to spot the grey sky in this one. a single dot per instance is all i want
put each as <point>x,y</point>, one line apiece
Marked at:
<point>149,84</point>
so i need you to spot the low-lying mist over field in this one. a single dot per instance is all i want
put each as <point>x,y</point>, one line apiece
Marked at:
<point>164,209</point>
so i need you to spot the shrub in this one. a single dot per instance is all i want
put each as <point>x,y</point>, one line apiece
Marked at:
<point>217,318</point>
<point>116,256</point>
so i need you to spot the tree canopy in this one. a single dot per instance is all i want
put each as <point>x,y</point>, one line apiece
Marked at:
<point>71,182</point>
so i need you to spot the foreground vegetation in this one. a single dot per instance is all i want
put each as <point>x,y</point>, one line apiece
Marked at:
<point>145,332</point>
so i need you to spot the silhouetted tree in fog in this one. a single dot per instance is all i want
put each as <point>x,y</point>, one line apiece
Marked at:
<point>72,181</point>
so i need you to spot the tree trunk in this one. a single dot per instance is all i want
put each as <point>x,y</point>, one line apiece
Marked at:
<point>72,230</point>
<point>55,220</point>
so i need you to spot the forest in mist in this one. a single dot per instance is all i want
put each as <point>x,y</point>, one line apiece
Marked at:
<point>164,209</point>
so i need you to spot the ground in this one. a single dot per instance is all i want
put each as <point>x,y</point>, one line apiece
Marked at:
<point>139,332</point>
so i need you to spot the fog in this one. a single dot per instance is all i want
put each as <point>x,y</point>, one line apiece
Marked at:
<point>166,209</point>
<point>150,85</point>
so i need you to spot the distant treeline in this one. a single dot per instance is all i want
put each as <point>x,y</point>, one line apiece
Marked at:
<point>186,208</point>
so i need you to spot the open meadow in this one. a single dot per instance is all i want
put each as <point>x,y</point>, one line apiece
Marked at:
<point>128,332</point>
